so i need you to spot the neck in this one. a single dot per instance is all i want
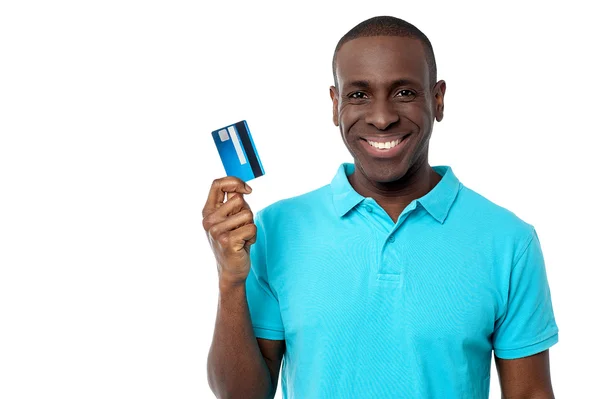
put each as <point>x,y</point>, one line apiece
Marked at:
<point>394,196</point>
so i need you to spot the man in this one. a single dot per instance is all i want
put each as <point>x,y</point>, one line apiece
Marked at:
<point>393,281</point>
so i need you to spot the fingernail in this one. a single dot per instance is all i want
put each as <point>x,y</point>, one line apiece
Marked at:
<point>248,188</point>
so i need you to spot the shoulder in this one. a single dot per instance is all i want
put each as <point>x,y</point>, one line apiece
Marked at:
<point>485,215</point>
<point>300,208</point>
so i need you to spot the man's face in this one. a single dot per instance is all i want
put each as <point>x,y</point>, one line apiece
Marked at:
<point>384,95</point>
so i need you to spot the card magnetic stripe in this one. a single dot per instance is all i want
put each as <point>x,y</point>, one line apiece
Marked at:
<point>240,127</point>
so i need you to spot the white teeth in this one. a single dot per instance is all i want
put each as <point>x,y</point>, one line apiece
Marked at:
<point>386,145</point>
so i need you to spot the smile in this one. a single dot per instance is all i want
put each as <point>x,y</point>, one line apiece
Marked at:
<point>386,145</point>
<point>385,149</point>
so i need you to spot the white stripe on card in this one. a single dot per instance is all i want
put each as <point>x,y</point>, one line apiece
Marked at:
<point>223,135</point>
<point>237,145</point>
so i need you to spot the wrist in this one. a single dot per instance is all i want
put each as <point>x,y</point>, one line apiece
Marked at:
<point>229,284</point>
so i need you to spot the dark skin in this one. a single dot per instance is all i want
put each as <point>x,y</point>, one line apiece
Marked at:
<point>527,377</point>
<point>272,351</point>
<point>238,365</point>
<point>383,89</point>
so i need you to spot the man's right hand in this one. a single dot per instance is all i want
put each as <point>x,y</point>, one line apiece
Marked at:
<point>230,228</point>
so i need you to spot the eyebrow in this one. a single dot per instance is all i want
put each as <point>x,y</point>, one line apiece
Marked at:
<point>361,84</point>
<point>364,84</point>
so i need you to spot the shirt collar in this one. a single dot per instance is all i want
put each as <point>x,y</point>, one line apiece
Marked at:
<point>437,202</point>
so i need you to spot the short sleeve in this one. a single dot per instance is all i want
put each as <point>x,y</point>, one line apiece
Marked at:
<point>262,301</point>
<point>527,326</point>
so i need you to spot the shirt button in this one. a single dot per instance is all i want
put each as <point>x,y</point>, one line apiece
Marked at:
<point>369,209</point>
<point>391,239</point>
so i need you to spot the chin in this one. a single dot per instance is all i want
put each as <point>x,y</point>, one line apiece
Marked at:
<point>383,172</point>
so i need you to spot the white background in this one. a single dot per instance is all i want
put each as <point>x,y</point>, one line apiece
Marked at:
<point>108,286</point>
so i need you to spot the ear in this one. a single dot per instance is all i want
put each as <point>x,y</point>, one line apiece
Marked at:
<point>334,97</point>
<point>439,90</point>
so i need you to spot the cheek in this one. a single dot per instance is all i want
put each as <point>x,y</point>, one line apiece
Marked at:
<point>418,114</point>
<point>416,111</point>
<point>348,117</point>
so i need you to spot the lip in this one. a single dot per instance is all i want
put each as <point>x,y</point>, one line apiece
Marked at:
<point>383,139</point>
<point>392,152</point>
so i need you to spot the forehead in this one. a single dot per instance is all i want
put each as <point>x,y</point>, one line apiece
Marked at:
<point>382,58</point>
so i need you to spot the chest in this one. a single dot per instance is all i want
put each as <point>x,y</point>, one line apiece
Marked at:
<point>400,290</point>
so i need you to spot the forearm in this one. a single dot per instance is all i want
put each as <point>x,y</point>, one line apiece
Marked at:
<point>541,395</point>
<point>236,367</point>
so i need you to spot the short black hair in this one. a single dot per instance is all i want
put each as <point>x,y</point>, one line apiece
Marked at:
<point>389,26</point>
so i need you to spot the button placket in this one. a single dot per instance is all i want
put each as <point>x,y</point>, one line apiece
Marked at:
<point>392,267</point>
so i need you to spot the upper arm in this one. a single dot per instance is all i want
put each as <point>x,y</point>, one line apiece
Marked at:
<point>272,351</point>
<point>526,329</point>
<point>263,305</point>
<point>526,324</point>
<point>526,377</point>
<point>263,301</point>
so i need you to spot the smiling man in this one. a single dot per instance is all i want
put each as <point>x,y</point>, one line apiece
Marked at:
<point>393,281</point>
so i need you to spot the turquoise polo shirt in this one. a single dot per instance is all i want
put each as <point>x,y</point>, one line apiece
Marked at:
<point>370,308</point>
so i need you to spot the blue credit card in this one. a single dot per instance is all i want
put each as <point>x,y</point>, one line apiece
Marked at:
<point>237,151</point>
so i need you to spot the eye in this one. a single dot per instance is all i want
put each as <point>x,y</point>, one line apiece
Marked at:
<point>405,93</point>
<point>358,95</point>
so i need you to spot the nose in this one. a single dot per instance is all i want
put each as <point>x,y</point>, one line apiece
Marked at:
<point>381,115</point>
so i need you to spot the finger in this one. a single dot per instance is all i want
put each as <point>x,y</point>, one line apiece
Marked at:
<point>231,195</point>
<point>252,239</point>
<point>216,195</point>
<point>232,206</point>
<point>241,237</point>
<point>224,211</point>
<point>232,223</point>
